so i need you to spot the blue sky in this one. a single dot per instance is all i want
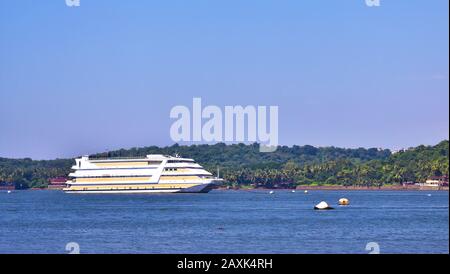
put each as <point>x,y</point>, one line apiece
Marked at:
<point>105,75</point>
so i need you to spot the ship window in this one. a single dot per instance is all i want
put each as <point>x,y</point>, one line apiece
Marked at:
<point>180,161</point>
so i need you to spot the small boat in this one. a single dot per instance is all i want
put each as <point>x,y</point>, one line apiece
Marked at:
<point>343,202</point>
<point>323,206</point>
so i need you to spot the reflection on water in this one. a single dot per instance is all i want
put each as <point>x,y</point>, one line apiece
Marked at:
<point>224,222</point>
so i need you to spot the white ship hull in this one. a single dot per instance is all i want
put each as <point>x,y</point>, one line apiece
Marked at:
<point>139,191</point>
<point>201,188</point>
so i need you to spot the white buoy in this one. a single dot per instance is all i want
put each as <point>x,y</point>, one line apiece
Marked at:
<point>293,191</point>
<point>271,192</point>
<point>306,191</point>
<point>9,191</point>
<point>429,195</point>
<point>343,201</point>
<point>323,206</point>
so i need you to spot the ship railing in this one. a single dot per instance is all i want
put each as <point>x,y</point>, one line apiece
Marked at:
<point>115,157</point>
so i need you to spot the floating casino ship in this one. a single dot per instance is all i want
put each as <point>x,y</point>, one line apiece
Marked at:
<point>151,174</point>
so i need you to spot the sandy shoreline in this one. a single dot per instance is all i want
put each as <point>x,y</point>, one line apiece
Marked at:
<point>352,188</point>
<point>394,188</point>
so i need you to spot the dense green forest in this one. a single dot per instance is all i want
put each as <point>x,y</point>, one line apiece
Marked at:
<point>286,167</point>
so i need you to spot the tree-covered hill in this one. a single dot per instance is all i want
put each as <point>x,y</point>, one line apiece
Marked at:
<point>288,166</point>
<point>241,155</point>
<point>26,173</point>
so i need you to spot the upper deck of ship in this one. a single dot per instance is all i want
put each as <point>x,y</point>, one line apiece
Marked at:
<point>89,162</point>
